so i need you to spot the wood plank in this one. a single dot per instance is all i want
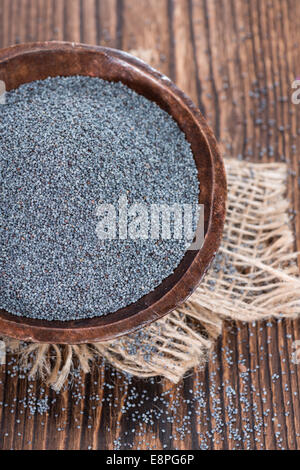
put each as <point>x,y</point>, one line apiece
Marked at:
<point>58,20</point>
<point>185,69</point>
<point>109,14</point>
<point>146,31</point>
<point>72,30</point>
<point>88,21</point>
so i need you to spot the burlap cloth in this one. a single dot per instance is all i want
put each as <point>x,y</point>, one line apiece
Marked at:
<point>254,276</point>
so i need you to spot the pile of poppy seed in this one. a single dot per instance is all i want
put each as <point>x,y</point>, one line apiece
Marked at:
<point>68,145</point>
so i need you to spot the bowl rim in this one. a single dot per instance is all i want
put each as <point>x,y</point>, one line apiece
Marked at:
<point>111,326</point>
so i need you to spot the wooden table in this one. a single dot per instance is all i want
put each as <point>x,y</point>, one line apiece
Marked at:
<point>237,59</point>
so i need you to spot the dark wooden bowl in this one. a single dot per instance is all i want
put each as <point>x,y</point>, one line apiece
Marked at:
<point>27,62</point>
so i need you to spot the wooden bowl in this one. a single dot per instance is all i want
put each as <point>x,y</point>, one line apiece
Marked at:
<point>27,62</point>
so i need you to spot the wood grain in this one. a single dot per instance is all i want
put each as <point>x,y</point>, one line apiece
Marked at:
<point>237,60</point>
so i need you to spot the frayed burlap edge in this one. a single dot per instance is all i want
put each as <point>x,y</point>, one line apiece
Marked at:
<point>254,277</point>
